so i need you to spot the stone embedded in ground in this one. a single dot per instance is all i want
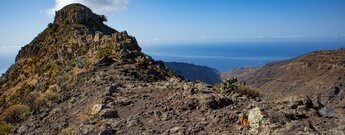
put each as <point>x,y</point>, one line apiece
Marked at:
<point>255,120</point>
<point>108,131</point>
<point>215,102</point>
<point>96,109</point>
<point>104,61</point>
<point>327,112</point>
<point>295,115</point>
<point>108,113</point>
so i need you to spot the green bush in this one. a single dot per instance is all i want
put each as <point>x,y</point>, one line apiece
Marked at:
<point>44,68</point>
<point>15,113</point>
<point>103,18</point>
<point>6,129</point>
<point>104,51</point>
<point>52,27</point>
<point>228,84</point>
<point>242,88</point>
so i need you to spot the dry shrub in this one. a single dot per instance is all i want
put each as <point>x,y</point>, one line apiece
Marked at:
<point>31,100</point>
<point>68,131</point>
<point>241,88</point>
<point>51,95</point>
<point>36,100</point>
<point>244,120</point>
<point>15,113</point>
<point>248,90</point>
<point>6,129</point>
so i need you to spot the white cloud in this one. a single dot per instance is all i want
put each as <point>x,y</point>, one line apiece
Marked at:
<point>97,6</point>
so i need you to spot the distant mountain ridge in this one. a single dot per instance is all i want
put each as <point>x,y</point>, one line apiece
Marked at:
<point>195,72</point>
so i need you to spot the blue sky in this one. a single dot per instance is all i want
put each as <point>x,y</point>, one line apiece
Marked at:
<point>184,21</point>
<point>163,21</point>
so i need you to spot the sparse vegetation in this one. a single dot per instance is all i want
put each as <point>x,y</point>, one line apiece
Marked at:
<point>103,18</point>
<point>248,90</point>
<point>44,68</point>
<point>242,88</point>
<point>2,100</point>
<point>104,51</point>
<point>80,62</point>
<point>244,120</point>
<point>31,100</point>
<point>15,113</point>
<point>6,129</point>
<point>228,84</point>
<point>68,131</point>
<point>52,27</point>
<point>20,93</point>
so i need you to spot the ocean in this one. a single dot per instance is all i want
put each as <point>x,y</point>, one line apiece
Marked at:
<point>228,56</point>
<point>221,56</point>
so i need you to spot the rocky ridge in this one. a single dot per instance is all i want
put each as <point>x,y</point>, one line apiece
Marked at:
<point>80,78</point>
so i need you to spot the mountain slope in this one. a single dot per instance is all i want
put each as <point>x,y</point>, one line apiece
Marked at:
<point>316,74</point>
<point>80,76</point>
<point>194,72</point>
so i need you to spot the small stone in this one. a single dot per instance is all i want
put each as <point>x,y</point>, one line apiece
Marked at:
<point>110,90</point>
<point>87,129</point>
<point>175,130</point>
<point>96,109</point>
<point>108,113</point>
<point>108,132</point>
<point>133,122</point>
<point>327,112</point>
<point>104,61</point>
<point>215,102</point>
<point>165,117</point>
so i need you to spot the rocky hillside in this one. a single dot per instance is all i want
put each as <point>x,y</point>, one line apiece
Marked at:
<point>80,76</point>
<point>240,72</point>
<point>194,72</point>
<point>316,74</point>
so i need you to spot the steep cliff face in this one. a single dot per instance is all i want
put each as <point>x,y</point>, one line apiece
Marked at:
<point>80,76</point>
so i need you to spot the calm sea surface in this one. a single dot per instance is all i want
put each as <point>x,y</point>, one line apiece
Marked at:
<point>227,56</point>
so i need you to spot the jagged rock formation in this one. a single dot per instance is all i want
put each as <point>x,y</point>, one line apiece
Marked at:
<point>195,73</point>
<point>80,78</point>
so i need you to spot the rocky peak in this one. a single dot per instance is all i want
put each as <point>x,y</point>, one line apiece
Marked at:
<point>78,40</point>
<point>80,15</point>
<point>77,14</point>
